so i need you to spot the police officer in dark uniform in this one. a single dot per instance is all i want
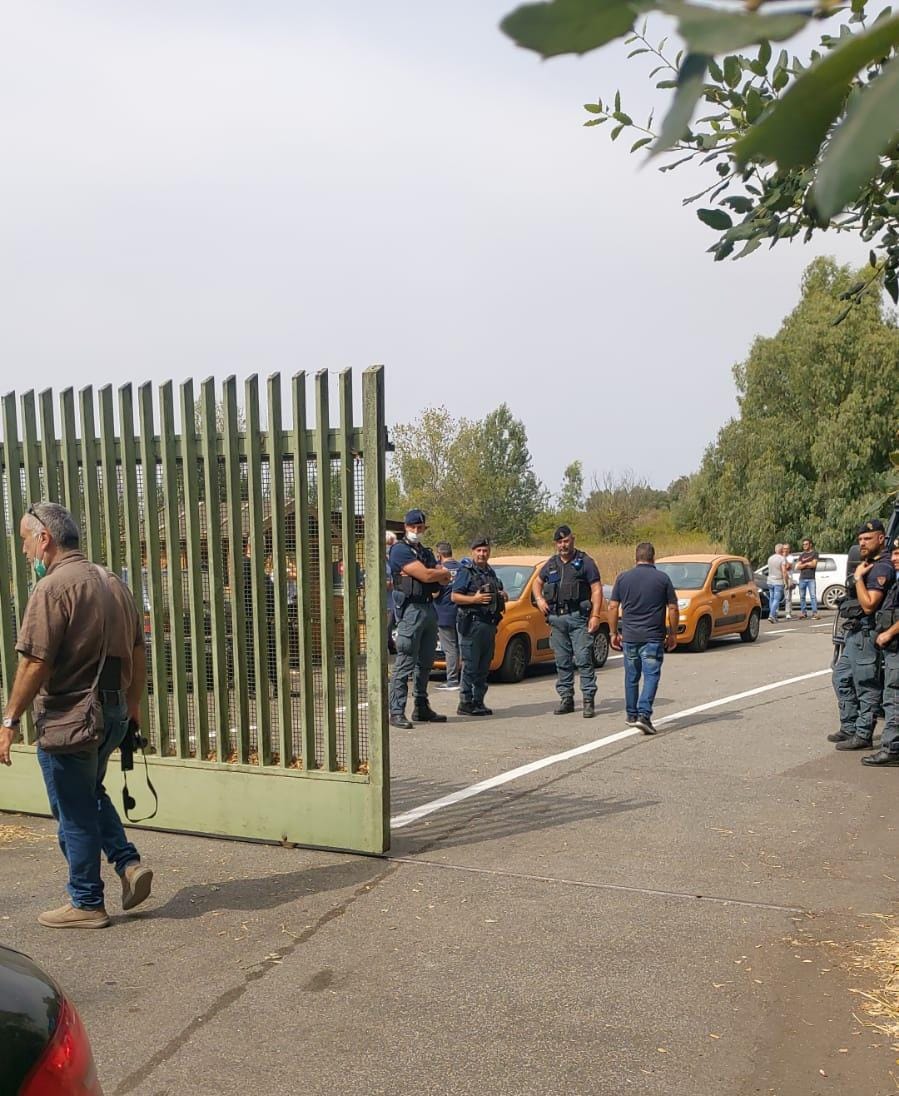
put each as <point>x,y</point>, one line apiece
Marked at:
<point>568,591</point>
<point>479,594</point>
<point>416,581</point>
<point>887,622</point>
<point>857,678</point>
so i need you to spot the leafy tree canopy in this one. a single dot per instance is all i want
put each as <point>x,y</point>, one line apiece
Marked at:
<point>794,145</point>
<point>469,476</point>
<point>810,453</point>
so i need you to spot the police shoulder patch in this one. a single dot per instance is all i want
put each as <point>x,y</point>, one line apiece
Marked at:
<point>881,580</point>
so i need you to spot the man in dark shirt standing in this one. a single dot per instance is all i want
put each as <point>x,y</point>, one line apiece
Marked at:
<point>807,564</point>
<point>568,591</point>
<point>648,602</point>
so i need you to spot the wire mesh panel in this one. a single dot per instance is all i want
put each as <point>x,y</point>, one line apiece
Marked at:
<point>254,563</point>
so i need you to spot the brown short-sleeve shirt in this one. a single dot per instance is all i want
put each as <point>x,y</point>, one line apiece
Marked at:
<point>64,625</point>
<point>126,630</point>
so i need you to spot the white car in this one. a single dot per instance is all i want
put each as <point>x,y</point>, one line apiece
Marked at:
<point>830,578</point>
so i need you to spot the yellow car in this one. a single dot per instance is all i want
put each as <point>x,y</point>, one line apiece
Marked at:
<point>522,638</point>
<point>716,596</point>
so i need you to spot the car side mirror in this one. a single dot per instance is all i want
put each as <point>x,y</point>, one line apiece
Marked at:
<point>718,585</point>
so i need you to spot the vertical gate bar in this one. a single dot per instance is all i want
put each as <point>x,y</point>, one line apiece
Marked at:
<point>260,592</point>
<point>94,549</point>
<point>49,448</point>
<point>235,566</point>
<point>15,569</point>
<point>350,573</point>
<point>279,569</point>
<point>325,569</point>
<point>180,644</point>
<point>304,584</point>
<point>154,567</point>
<point>69,454</point>
<point>12,452</point>
<point>131,520</point>
<point>374,439</point>
<point>30,448</point>
<point>197,610</point>
<point>209,444</point>
<point>110,507</point>
<point>8,657</point>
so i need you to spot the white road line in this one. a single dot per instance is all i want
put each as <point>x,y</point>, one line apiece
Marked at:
<point>399,821</point>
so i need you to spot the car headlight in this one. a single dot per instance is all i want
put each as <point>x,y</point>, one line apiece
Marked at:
<point>683,603</point>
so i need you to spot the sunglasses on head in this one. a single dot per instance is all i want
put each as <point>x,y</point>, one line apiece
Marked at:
<point>33,513</point>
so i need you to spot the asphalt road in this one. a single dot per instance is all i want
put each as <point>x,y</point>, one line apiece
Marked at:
<point>669,915</point>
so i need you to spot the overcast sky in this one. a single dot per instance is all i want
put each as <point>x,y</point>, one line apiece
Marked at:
<point>196,188</point>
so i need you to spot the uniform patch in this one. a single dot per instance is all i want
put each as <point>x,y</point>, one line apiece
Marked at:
<point>881,580</point>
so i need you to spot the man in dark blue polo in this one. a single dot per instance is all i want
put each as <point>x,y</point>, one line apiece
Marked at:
<point>416,581</point>
<point>568,591</point>
<point>646,599</point>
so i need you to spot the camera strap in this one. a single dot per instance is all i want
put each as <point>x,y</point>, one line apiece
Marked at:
<point>128,800</point>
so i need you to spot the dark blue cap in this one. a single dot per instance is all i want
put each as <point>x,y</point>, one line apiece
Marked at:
<point>562,532</point>
<point>479,542</point>
<point>875,525</point>
<point>415,517</point>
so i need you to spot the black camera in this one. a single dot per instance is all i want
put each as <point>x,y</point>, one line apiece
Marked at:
<point>134,740</point>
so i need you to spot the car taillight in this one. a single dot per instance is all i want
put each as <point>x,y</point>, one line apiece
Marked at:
<point>67,1066</point>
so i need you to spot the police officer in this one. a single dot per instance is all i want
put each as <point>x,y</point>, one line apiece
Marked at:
<point>568,591</point>
<point>416,581</point>
<point>887,621</point>
<point>857,672</point>
<point>479,594</point>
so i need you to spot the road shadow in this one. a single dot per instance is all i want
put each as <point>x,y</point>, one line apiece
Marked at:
<point>266,892</point>
<point>499,813</point>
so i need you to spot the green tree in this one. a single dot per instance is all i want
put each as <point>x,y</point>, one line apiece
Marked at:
<point>809,454</point>
<point>617,503</point>
<point>793,146</point>
<point>571,493</point>
<point>468,476</point>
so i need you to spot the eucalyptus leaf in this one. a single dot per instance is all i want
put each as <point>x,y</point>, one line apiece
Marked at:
<point>570,26</point>
<point>793,130</point>
<point>715,218</point>
<point>870,127</point>
<point>690,82</point>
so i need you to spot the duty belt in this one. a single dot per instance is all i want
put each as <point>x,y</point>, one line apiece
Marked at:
<point>569,608</point>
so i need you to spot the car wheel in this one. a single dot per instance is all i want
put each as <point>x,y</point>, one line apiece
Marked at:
<point>600,648</point>
<point>751,632</point>
<point>515,660</point>
<point>832,595</point>
<point>700,638</point>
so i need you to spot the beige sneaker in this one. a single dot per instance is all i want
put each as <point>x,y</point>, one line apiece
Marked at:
<point>74,917</point>
<point>136,883</point>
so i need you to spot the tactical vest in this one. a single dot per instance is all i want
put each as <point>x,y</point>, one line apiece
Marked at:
<point>888,613</point>
<point>565,585</point>
<point>851,608</point>
<point>411,588</point>
<point>479,580</point>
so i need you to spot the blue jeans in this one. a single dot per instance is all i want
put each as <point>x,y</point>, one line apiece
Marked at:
<point>118,849</point>
<point>645,659</point>
<point>807,584</point>
<point>775,596</point>
<point>71,781</point>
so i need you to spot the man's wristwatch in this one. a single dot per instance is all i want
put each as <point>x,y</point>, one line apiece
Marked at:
<point>10,724</point>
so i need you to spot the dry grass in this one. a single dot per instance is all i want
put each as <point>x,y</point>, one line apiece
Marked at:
<point>880,961</point>
<point>12,833</point>
<point>615,558</point>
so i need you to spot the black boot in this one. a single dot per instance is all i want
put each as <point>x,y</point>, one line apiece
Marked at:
<point>481,709</point>
<point>566,706</point>
<point>398,719</point>
<point>838,736</point>
<point>855,743</point>
<point>465,708</point>
<point>589,709</point>
<point>882,757</point>
<point>424,713</point>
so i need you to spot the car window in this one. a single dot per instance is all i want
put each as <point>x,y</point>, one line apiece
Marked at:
<point>514,578</point>
<point>826,564</point>
<point>685,576</point>
<point>735,573</point>
<point>721,576</point>
<point>747,573</point>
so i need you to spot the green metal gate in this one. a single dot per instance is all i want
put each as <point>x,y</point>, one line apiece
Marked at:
<point>257,556</point>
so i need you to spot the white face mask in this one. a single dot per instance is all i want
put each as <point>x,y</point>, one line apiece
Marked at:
<point>413,538</point>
